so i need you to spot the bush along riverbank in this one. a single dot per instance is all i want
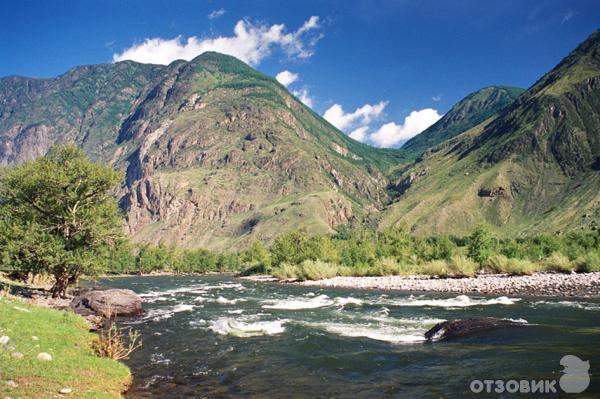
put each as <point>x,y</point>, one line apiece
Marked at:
<point>47,353</point>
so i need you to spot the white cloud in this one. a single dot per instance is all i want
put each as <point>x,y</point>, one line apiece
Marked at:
<point>362,115</point>
<point>286,78</point>
<point>250,43</point>
<point>437,98</point>
<point>391,134</point>
<point>360,133</point>
<point>304,96</point>
<point>216,13</point>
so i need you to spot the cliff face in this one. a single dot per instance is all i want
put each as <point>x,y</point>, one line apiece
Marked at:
<point>213,152</point>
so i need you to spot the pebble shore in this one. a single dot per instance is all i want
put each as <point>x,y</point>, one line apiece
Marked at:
<point>539,284</point>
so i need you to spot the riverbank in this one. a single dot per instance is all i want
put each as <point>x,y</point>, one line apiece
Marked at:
<point>585,285</point>
<point>48,353</point>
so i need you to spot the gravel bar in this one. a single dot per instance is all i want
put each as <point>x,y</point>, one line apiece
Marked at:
<point>539,284</point>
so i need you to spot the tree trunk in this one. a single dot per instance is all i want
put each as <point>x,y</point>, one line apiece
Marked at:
<point>59,289</point>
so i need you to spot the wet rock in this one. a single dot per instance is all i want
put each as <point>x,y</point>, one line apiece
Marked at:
<point>107,303</point>
<point>452,329</point>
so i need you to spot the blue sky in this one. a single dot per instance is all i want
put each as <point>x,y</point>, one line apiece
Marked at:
<point>399,64</point>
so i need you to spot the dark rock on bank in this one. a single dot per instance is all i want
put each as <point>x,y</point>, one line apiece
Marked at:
<point>107,303</point>
<point>451,329</point>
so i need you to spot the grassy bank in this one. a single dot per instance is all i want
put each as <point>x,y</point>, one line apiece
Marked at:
<point>33,330</point>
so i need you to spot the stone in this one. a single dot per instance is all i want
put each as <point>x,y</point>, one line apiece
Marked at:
<point>65,391</point>
<point>16,355</point>
<point>12,384</point>
<point>43,356</point>
<point>4,340</point>
<point>35,338</point>
<point>107,303</point>
<point>452,329</point>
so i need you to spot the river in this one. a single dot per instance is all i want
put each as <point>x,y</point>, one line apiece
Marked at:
<point>223,337</point>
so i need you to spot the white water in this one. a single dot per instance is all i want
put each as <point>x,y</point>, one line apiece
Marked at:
<point>461,301</point>
<point>569,304</point>
<point>300,303</point>
<point>240,328</point>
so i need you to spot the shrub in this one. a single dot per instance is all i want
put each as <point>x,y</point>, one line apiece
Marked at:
<point>361,270</point>
<point>557,262</point>
<point>111,343</point>
<point>391,267</point>
<point>437,268</point>
<point>480,245</point>
<point>587,263</point>
<point>345,271</point>
<point>513,266</point>
<point>461,266</point>
<point>497,264</point>
<point>317,270</point>
<point>286,271</point>
<point>520,267</point>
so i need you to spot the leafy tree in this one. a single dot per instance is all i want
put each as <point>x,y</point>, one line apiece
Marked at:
<point>57,215</point>
<point>154,258</point>
<point>359,250</point>
<point>121,257</point>
<point>227,262</point>
<point>290,247</point>
<point>198,261</point>
<point>394,242</point>
<point>481,244</point>
<point>322,248</point>
<point>256,259</point>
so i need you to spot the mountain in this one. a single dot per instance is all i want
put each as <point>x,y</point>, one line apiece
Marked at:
<point>467,113</point>
<point>214,153</point>
<point>533,166</point>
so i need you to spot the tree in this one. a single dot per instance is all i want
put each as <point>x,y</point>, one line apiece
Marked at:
<point>256,259</point>
<point>154,258</point>
<point>290,247</point>
<point>481,244</point>
<point>58,216</point>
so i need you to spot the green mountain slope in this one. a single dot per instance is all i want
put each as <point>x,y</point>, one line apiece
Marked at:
<point>215,153</point>
<point>86,105</point>
<point>534,166</point>
<point>467,113</point>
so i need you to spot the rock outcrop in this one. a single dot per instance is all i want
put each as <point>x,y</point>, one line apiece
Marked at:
<point>107,303</point>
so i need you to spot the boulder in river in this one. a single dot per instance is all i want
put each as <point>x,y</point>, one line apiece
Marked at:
<point>107,303</point>
<point>451,329</point>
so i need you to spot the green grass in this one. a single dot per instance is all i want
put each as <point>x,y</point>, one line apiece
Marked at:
<point>63,335</point>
